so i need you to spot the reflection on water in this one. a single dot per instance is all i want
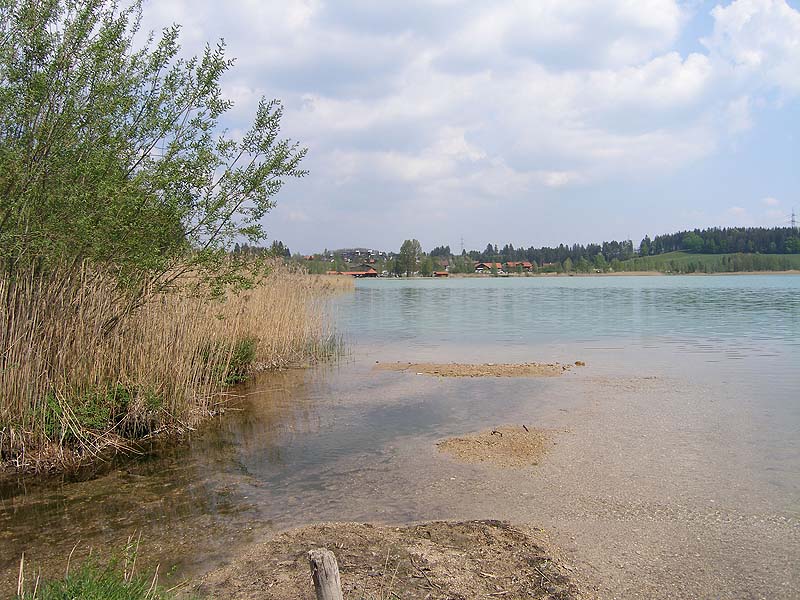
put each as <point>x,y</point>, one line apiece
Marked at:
<point>336,439</point>
<point>736,314</point>
<point>177,496</point>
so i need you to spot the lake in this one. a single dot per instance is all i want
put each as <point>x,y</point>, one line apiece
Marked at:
<point>678,446</point>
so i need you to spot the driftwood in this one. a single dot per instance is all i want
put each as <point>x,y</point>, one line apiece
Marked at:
<point>325,573</point>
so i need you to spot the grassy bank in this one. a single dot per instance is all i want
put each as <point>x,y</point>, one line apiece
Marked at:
<point>114,579</point>
<point>685,262</point>
<point>92,582</point>
<point>81,373</point>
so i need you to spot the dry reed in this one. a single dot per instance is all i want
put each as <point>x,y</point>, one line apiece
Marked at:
<point>70,389</point>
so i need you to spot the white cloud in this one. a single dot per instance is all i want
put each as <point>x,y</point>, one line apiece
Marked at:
<point>758,40</point>
<point>558,178</point>
<point>665,82</point>
<point>738,215</point>
<point>468,103</point>
<point>770,201</point>
<point>558,32</point>
<point>580,89</point>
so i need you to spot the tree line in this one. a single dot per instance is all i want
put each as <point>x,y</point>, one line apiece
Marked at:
<point>752,240</point>
<point>749,242</point>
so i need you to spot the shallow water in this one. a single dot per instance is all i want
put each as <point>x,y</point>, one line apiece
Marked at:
<point>350,443</point>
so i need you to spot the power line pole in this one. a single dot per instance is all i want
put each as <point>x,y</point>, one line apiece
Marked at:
<point>794,220</point>
<point>462,243</point>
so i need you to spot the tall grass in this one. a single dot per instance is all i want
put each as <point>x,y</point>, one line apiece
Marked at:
<point>72,386</point>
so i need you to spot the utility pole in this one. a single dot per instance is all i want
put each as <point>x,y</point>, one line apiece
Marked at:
<point>462,243</point>
<point>794,220</point>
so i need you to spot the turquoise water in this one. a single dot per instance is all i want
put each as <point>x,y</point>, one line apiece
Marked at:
<point>738,333</point>
<point>353,443</point>
<point>734,315</point>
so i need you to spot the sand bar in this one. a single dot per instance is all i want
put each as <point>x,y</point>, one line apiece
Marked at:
<point>507,446</point>
<point>531,369</point>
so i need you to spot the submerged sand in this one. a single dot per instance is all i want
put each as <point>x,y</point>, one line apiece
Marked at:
<point>437,560</point>
<point>508,446</point>
<point>531,369</point>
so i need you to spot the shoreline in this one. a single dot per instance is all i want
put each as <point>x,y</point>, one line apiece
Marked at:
<point>69,466</point>
<point>617,274</point>
<point>611,527</point>
<point>585,485</point>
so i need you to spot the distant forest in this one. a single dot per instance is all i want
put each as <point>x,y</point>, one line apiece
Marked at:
<point>717,250</point>
<point>749,240</point>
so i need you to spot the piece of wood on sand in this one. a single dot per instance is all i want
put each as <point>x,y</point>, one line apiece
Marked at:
<point>325,573</point>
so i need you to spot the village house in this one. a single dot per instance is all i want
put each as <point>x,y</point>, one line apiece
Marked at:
<point>512,266</point>
<point>482,267</point>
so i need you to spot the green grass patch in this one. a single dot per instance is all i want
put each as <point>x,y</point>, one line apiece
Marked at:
<point>98,582</point>
<point>112,408</point>
<point>242,357</point>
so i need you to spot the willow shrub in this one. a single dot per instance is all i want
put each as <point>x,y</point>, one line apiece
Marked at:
<point>119,200</point>
<point>110,152</point>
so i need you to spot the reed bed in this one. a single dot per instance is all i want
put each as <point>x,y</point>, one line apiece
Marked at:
<point>72,387</point>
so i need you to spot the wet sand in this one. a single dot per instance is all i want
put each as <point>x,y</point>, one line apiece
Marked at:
<point>503,446</point>
<point>628,494</point>
<point>483,370</point>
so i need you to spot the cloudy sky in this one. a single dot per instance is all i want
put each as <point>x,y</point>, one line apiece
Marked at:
<point>531,122</point>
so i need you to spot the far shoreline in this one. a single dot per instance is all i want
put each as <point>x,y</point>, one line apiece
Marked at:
<point>617,274</point>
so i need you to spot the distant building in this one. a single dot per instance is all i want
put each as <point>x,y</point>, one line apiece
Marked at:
<point>524,265</point>
<point>368,272</point>
<point>482,267</point>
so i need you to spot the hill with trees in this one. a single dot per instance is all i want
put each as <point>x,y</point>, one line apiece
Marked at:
<point>746,240</point>
<point>714,250</point>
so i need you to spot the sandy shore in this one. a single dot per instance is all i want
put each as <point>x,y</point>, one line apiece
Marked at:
<point>437,560</point>
<point>479,370</point>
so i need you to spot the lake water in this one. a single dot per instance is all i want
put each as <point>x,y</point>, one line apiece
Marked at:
<point>725,316</point>
<point>689,410</point>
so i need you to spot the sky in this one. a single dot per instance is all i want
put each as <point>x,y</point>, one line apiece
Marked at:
<point>524,122</point>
